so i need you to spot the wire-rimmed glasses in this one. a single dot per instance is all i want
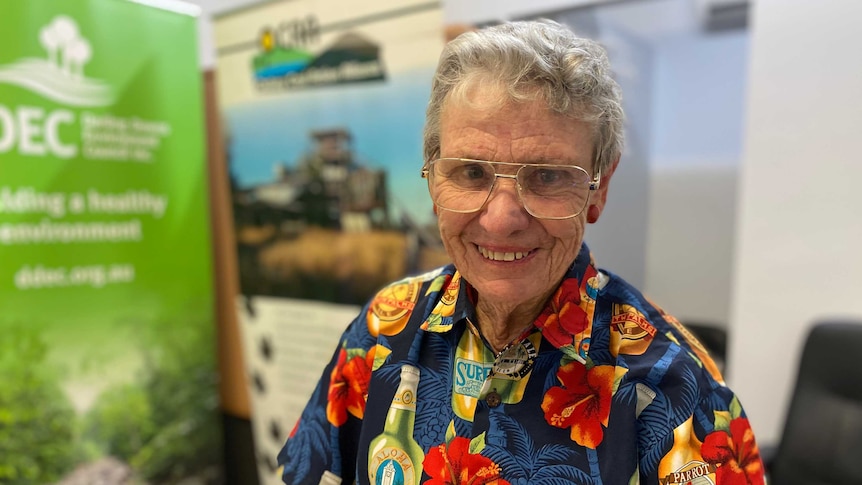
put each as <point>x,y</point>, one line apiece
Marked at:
<point>547,191</point>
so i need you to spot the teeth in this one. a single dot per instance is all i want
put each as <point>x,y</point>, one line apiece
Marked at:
<point>499,256</point>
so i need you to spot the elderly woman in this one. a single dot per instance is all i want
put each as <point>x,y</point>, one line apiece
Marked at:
<point>520,362</point>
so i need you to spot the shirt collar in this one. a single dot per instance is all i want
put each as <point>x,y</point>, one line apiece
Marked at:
<point>566,320</point>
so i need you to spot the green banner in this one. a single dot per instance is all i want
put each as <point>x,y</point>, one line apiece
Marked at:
<point>106,315</point>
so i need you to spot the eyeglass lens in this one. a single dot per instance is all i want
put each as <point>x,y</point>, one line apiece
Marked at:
<point>550,191</point>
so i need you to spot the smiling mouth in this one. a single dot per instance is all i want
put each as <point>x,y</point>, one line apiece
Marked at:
<point>501,256</point>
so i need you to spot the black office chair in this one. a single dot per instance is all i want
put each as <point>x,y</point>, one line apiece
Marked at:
<point>821,443</point>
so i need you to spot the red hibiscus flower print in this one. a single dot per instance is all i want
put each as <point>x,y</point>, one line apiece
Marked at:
<point>582,402</point>
<point>562,317</point>
<point>348,387</point>
<point>453,464</point>
<point>735,454</point>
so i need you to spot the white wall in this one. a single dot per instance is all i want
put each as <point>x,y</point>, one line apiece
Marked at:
<point>690,241</point>
<point>798,254</point>
<point>696,152</point>
<point>699,97</point>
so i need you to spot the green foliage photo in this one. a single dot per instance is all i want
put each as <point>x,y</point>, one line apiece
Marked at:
<point>163,421</point>
<point>37,420</point>
<point>166,423</point>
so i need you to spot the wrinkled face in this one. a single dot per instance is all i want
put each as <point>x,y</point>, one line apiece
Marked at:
<point>509,256</point>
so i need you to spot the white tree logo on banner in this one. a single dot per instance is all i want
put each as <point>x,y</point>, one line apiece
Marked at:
<point>62,35</point>
<point>60,77</point>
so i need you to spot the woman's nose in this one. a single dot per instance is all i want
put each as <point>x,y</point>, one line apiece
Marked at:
<point>504,212</point>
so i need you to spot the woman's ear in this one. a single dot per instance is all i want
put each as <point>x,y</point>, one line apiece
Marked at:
<point>600,196</point>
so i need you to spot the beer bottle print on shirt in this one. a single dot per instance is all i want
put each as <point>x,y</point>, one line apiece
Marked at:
<point>395,458</point>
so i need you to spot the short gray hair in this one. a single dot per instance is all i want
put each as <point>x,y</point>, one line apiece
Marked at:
<point>533,59</point>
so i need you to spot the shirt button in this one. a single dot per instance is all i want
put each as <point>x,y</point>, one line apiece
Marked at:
<point>493,399</point>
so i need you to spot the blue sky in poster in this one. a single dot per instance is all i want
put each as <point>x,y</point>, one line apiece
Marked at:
<point>385,119</point>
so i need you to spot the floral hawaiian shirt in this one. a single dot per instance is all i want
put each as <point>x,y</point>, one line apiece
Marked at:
<point>603,388</point>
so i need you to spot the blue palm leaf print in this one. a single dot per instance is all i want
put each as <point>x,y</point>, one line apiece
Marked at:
<point>510,435</point>
<point>627,394</point>
<point>356,334</point>
<point>435,394</point>
<point>655,433</point>
<point>389,373</point>
<point>433,424</point>
<point>559,474</point>
<point>438,349</point>
<point>600,346</point>
<point>510,446</point>
<point>687,398</point>
<point>312,444</point>
<point>651,457</point>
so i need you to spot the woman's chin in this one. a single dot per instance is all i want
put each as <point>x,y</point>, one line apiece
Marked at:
<point>505,293</point>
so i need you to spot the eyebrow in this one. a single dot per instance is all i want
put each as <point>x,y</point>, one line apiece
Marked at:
<point>539,161</point>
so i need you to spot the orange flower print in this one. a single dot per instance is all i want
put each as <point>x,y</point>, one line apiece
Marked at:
<point>582,402</point>
<point>453,464</point>
<point>735,454</point>
<point>562,317</point>
<point>348,387</point>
